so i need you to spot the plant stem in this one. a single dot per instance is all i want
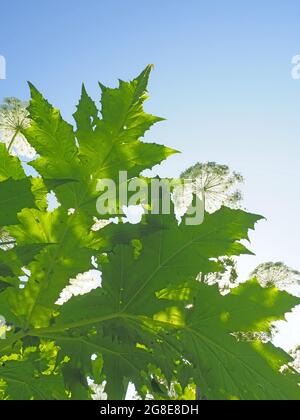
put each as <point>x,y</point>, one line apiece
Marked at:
<point>13,140</point>
<point>39,332</point>
<point>42,332</point>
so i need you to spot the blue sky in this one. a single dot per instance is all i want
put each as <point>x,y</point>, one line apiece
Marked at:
<point>222,79</point>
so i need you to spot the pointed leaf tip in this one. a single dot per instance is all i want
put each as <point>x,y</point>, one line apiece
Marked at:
<point>83,89</point>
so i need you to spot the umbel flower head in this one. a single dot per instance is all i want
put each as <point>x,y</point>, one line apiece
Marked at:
<point>216,184</point>
<point>276,274</point>
<point>14,118</point>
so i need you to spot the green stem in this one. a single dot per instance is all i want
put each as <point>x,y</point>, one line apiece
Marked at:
<point>46,332</point>
<point>13,140</point>
<point>40,332</point>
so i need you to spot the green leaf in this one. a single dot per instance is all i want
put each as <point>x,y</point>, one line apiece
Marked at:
<point>122,362</point>
<point>170,257</point>
<point>119,132</point>
<point>6,282</point>
<point>23,384</point>
<point>151,322</point>
<point>106,146</point>
<point>10,167</point>
<point>225,369</point>
<point>13,260</point>
<point>129,299</point>
<point>14,196</point>
<point>173,255</point>
<point>52,138</point>
<point>72,247</point>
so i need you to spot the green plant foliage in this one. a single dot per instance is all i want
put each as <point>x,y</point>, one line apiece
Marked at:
<point>23,383</point>
<point>10,167</point>
<point>151,323</point>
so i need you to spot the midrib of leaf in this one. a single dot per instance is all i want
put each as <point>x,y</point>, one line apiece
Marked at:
<point>127,160</point>
<point>49,269</point>
<point>134,100</point>
<point>207,341</point>
<point>43,332</point>
<point>73,325</point>
<point>123,313</point>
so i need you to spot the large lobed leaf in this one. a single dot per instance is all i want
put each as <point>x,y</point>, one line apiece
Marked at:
<point>105,145</point>
<point>151,316</point>
<point>132,309</point>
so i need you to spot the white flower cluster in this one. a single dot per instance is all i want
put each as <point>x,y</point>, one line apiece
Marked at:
<point>81,285</point>
<point>182,198</point>
<point>215,184</point>
<point>99,393</point>
<point>14,118</point>
<point>278,275</point>
<point>296,357</point>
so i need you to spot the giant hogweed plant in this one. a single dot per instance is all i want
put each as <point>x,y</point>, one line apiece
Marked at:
<point>152,322</point>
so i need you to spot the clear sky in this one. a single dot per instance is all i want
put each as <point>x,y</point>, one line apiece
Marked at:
<point>222,80</point>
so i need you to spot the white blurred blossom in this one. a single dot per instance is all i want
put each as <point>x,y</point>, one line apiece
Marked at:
<point>216,184</point>
<point>81,285</point>
<point>182,198</point>
<point>98,391</point>
<point>296,356</point>
<point>278,275</point>
<point>14,118</point>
